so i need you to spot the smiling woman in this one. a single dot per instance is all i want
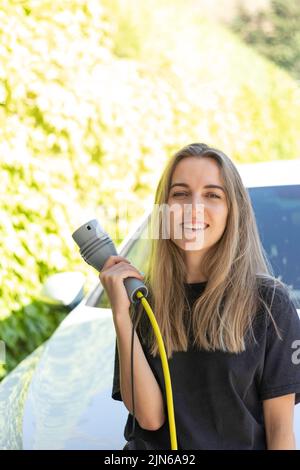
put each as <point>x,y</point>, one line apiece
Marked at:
<point>227,323</point>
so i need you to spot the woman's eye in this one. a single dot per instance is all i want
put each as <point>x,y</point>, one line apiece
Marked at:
<point>214,196</point>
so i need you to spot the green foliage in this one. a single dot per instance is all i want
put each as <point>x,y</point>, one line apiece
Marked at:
<point>44,147</point>
<point>24,329</point>
<point>274,32</point>
<point>94,97</point>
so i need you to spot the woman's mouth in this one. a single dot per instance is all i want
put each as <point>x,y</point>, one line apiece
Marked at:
<point>195,228</point>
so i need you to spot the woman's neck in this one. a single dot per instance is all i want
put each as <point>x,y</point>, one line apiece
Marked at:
<point>193,270</point>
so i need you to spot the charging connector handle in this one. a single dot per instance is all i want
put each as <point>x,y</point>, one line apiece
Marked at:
<point>96,246</point>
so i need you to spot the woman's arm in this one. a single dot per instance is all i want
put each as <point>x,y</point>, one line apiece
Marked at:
<point>279,422</point>
<point>148,397</point>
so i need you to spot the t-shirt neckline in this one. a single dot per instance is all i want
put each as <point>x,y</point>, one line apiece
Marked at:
<point>195,283</point>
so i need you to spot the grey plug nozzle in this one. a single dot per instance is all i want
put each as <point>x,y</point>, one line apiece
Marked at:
<point>95,246</point>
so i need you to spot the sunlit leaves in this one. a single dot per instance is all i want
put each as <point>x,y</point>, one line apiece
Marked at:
<point>94,98</point>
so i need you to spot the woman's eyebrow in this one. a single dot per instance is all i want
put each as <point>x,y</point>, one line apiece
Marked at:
<point>206,186</point>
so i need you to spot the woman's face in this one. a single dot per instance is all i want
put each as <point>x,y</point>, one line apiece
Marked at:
<point>192,203</point>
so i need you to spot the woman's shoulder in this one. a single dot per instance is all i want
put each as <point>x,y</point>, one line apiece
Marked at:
<point>277,296</point>
<point>271,288</point>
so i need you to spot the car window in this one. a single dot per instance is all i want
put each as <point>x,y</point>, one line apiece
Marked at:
<point>138,254</point>
<point>277,212</point>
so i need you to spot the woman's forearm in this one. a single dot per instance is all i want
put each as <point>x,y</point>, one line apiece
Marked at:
<point>280,440</point>
<point>149,406</point>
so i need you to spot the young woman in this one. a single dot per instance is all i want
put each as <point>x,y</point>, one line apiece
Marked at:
<point>230,328</point>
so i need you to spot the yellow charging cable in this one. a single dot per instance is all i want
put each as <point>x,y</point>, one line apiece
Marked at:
<point>165,367</point>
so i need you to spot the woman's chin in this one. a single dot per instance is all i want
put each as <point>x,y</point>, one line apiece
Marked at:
<point>190,245</point>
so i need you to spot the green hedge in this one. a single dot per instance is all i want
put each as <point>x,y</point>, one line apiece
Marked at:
<point>273,31</point>
<point>89,118</point>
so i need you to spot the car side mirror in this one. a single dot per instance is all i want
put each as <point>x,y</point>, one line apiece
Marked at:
<point>63,289</point>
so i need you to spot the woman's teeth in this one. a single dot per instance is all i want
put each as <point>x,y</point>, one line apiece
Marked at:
<point>195,228</point>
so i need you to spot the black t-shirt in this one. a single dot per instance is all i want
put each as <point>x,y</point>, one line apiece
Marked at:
<point>218,396</point>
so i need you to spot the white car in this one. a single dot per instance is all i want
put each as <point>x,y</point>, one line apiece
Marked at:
<point>59,397</point>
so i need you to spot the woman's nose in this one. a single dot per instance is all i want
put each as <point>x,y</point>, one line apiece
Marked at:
<point>196,208</point>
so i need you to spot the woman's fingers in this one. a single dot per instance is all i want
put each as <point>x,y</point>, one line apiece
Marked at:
<point>112,260</point>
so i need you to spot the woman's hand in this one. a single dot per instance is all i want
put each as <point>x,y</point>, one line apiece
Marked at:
<point>114,271</point>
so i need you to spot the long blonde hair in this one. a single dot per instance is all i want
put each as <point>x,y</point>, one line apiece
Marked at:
<point>235,267</point>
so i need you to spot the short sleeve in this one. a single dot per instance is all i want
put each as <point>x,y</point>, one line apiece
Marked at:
<point>281,371</point>
<point>116,394</point>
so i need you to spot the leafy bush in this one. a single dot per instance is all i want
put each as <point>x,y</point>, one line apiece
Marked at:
<point>274,32</point>
<point>88,120</point>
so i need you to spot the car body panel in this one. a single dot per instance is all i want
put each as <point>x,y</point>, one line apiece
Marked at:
<point>13,395</point>
<point>69,403</point>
